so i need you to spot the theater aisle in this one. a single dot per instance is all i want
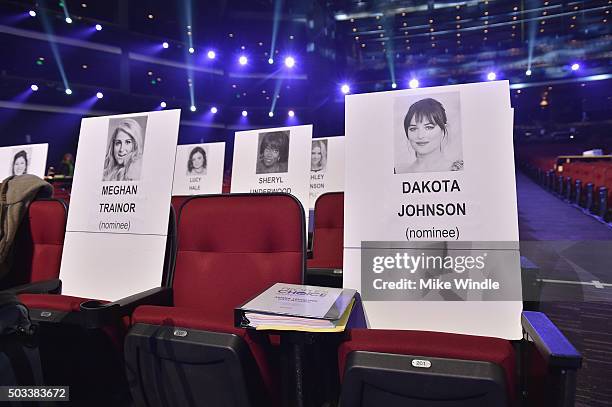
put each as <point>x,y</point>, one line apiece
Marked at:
<point>573,251</point>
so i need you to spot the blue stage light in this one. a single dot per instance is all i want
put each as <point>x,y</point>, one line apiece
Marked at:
<point>575,66</point>
<point>270,61</point>
<point>99,95</point>
<point>69,20</point>
<point>491,76</point>
<point>270,114</point>
<point>345,88</point>
<point>414,83</point>
<point>528,72</point>
<point>245,113</point>
<point>32,13</point>
<point>191,50</point>
<point>165,45</point>
<point>98,27</point>
<point>394,85</point>
<point>68,91</point>
<point>34,87</point>
<point>291,113</point>
<point>211,54</point>
<point>192,108</point>
<point>243,60</point>
<point>162,104</point>
<point>289,62</point>
<point>214,110</point>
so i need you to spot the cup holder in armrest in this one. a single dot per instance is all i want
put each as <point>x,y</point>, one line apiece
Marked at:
<point>97,314</point>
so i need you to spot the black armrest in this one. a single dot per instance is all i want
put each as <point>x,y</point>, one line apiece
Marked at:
<point>40,287</point>
<point>550,342</point>
<point>96,314</point>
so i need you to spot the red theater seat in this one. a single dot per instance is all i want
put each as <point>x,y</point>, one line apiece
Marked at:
<point>38,245</point>
<point>81,339</point>
<point>436,369</point>
<point>230,248</point>
<point>328,234</point>
<point>465,370</point>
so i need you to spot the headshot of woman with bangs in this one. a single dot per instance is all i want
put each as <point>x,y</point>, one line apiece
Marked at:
<point>428,133</point>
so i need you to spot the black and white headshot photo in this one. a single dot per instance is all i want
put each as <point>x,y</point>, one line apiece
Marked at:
<point>318,156</point>
<point>124,151</point>
<point>197,161</point>
<point>428,134</point>
<point>20,161</point>
<point>273,152</point>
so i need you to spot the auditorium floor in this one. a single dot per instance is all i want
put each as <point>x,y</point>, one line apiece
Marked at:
<point>574,253</point>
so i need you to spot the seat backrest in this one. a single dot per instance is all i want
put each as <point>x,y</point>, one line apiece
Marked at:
<point>232,247</point>
<point>38,244</point>
<point>177,201</point>
<point>328,234</point>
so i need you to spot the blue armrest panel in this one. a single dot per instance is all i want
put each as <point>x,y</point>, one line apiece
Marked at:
<point>551,343</point>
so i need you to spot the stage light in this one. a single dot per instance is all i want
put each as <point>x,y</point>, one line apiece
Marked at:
<point>165,45</point>
<point>414,83</point>
<point>270,61</point>
<point>291,113</point>
<point>244,113</point>
<point>528,72</point>
<point>270,114</point>
<point>98,27</point>
<point>575,67</point>
<point>214,110</point>
<point>211,54</point>
<point>191,50</point>
<point>162,104</point>
<point>491,76</point>
<point>32,13</point>
<point>243,60</point>
<point>34,88</point>
<point>99,95</point>
<point>345,88</point>
<point>193,108</point>
<point>69,20</point>
<point>68,91</point>
<point>394,85</point>
<point>289,62</point>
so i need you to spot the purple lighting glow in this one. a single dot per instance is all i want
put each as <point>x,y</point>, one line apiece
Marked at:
<point>345,89</point>
<point>165,45</point>
<point>243,60</point>
<point>245,113</point>
<point>214,110</point>
<point>575,66</point>
<point>289,62</point>
<point>211,54</point>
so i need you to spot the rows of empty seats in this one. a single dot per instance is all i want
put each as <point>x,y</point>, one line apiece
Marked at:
<point>583,181</point>
<point>176,344</point>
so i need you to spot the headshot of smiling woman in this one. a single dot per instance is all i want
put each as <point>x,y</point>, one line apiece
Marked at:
<point>427,129</point>
<point>196,164</point>
<point>273,153</point>
<point>124,151</point>
<point>20,163</point>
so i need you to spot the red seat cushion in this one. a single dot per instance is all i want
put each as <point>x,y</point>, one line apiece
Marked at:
<point>432,344</point>
<point>53,302</point>
<point>204,320</point>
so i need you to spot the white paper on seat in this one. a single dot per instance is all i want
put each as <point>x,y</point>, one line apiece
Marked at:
<point>119,207</point>
<point>196,173</point>
<point>23,159</point>
<point>285,167</point>
<point>468,193</point>
<point>326,167</point>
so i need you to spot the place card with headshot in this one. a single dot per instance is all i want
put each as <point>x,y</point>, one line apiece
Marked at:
<point>424,166</point>
<point>326,167</point>
<point>24,159</point>
<point>119,207</point>
<point>199,169</point>
<point>273,160</point>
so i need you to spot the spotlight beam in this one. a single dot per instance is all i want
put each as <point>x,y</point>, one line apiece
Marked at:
<point>50,39</point>
<point>275,22</point>
<point>277,86</point>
